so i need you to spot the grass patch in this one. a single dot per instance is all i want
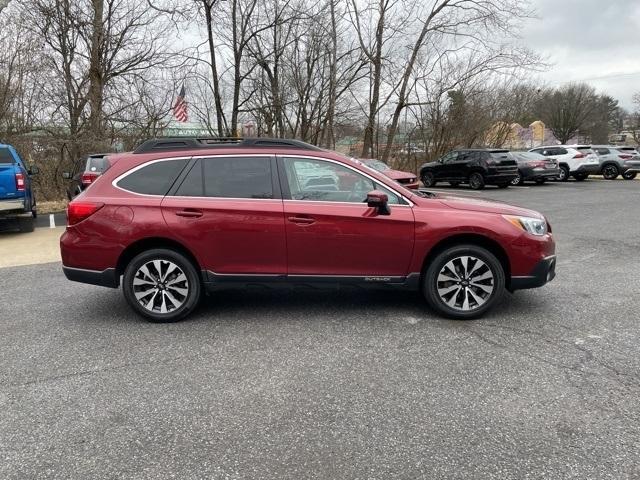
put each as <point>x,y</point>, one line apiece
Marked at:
<point>52,206</point>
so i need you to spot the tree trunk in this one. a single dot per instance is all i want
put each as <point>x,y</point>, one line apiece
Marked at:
<point>220,118</point>
<point>96,76</point>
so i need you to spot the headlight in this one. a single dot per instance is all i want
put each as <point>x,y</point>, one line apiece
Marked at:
<point>535,226</point>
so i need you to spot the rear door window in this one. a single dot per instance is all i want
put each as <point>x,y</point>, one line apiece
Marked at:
<point>602,151</point>
<point>5,156</point>
<point>229,177</point>
<point>154,178</point>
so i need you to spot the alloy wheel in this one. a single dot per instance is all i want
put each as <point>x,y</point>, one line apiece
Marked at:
<point>465,283</point>
<point>517,180</point>
<point>610,172</point>
<point>160,286</point>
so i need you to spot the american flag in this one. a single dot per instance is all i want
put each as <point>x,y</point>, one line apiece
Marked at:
<point>180,107</point>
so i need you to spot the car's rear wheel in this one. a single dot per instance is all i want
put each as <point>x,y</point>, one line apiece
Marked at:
<point>629,176</point>
<point>610,172</point>
<point>476,181</point>
<point>428,179</point>
<point>463,282</point>
<point>518,180</point>
<point>563,175</point>
<point>162,285</point>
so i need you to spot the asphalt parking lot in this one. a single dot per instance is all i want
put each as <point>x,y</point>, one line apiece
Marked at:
<point>354,384</point>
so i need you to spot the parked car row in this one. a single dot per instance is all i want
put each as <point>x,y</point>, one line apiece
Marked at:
<point>501,167</point>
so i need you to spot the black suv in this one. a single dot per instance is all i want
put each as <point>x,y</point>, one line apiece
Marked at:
<point>85,173</point>
<point>477,167</point>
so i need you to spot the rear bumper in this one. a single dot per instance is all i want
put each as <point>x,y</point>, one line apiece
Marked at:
<point>542,273</point>
<point>529,173</point>
<point>104,278</point>
<point>12,206</point>
<point>500,177</point>
<point>590,169</point>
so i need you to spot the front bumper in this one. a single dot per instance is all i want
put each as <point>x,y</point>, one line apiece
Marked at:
<point>104,278</point>
<point>542,273</point>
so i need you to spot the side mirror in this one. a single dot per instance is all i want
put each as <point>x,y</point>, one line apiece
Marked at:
<point>66,175</point>
<point>378,200</point>
<point>34,170</point>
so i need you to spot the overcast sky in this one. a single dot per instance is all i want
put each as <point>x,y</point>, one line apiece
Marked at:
<point>597,41</point>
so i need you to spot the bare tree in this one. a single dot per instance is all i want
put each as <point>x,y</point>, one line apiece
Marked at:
<point>566,110</point>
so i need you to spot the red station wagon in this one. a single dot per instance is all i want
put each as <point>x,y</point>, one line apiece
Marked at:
<point>178,216</point>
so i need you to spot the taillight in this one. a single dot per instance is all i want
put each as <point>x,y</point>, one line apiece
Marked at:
<point>579,155</point>
<point>19,182</point>
<point>88,178</point>
<point>79,211</point>
<point>625,157</point>
<point>537,163</point>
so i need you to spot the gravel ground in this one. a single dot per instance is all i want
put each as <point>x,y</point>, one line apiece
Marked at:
<point>354,385</point>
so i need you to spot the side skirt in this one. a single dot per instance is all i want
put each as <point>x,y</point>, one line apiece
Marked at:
<point>215,281</point>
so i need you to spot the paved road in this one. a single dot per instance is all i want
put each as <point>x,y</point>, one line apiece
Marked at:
<point>348,385</point>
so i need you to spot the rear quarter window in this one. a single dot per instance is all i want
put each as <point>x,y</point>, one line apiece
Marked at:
<point>155,178</point>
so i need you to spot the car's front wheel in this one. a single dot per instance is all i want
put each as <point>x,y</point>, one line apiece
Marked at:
<point>629,175</point>
<point>463,282</point>
<point>428,179</point>
<point>518,180</point>
<point>563,175</point>
<point>162,285</point>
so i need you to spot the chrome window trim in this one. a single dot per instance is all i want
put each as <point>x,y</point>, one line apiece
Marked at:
<point>114,183</point>
<point>374,180</point>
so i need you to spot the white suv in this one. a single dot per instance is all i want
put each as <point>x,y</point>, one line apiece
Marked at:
<point>578,161</point>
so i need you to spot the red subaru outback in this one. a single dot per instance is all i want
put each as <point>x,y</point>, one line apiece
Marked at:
<point>178,216</point>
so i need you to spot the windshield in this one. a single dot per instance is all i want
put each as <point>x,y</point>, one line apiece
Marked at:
<point>377,165</point>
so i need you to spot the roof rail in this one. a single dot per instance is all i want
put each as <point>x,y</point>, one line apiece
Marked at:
<point>193,143</point>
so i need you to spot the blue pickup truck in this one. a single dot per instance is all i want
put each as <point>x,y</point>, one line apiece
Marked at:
<point>17,200</point>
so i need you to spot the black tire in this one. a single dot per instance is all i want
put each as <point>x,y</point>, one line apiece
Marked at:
<point>454,184</point>
<point>519,180</point>
<point>580,177</point>
<point>428,179</point>
<point>192,285</point>
<point>476,181</point>
<point>563,176</point>
<point>431,283</point>
<point>541,181</point>
<point>610,171</point>
<point>503,185</point>
<point>629,175</point>
<point>26,224</point>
